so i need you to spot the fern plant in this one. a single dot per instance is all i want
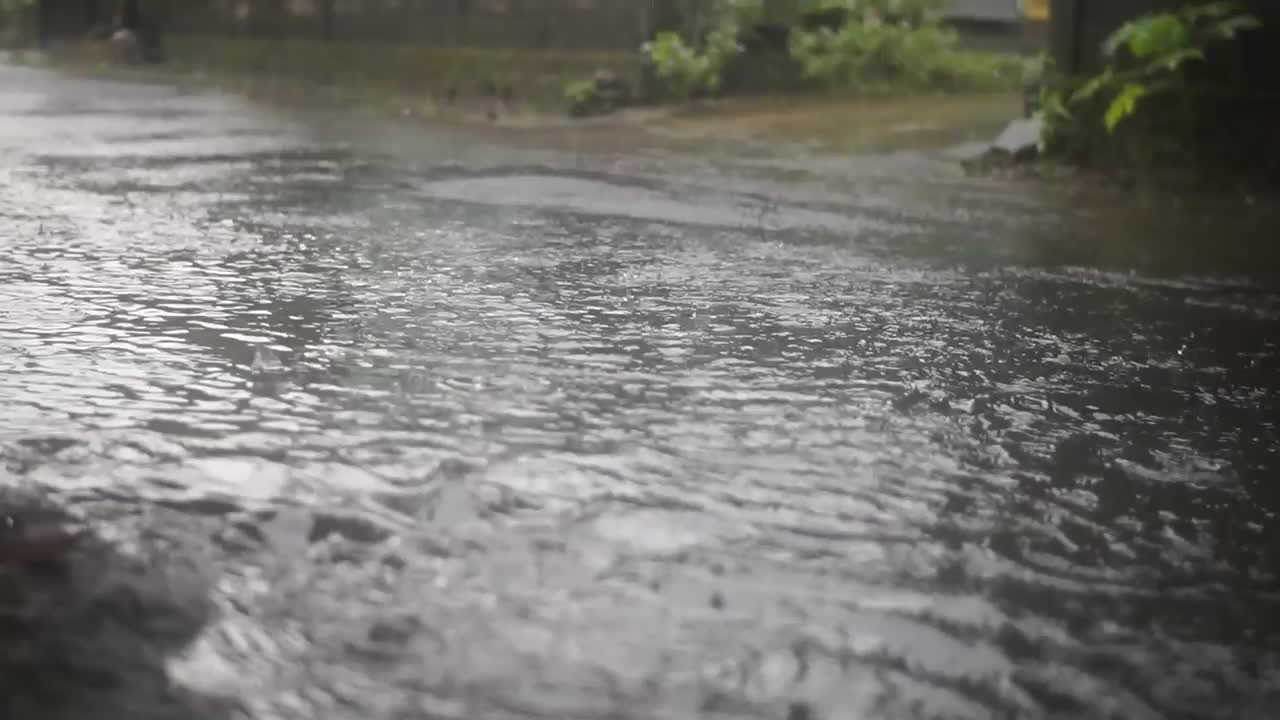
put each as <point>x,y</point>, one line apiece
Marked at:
<point>1148,56</point>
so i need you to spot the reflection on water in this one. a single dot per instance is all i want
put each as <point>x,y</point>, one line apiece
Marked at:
<point>548,443</point>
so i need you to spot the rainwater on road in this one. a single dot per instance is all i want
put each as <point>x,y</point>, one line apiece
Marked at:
<point>376,422</point>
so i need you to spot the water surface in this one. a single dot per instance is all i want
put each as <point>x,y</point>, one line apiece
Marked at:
<point>392,423</point>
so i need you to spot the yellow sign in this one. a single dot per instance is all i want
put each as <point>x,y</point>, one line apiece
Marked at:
<point>1035,9</point>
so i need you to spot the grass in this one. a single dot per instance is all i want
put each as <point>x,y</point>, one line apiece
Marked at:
<point>860,124</point>
<point>394,74</point>
<point>420,81</point>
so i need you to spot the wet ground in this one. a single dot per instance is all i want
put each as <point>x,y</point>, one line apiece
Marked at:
<point>385,422</point>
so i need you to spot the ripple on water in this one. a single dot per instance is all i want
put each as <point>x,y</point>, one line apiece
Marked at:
<point>544,444</point>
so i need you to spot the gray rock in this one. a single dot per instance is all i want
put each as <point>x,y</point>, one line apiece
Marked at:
<point>125,48</point>
<point>1019,143</point>
<point>611,89</point>
<point>1020,140</point>
<point>967,152</point>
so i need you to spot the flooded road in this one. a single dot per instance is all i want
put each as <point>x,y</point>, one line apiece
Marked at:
<point>422,424</point>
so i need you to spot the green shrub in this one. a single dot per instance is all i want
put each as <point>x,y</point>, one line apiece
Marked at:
<point>899,45</point>
<point>683,69</point>
<point>694,63</point>
<point>873,46</point>
<point>1147,63</point>
<point>579,92</point>
<point>1158,47</point>
<point>979,71</point>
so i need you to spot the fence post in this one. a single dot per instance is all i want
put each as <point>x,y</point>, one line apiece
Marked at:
<point>646,20</point>
<point>1064,35</point>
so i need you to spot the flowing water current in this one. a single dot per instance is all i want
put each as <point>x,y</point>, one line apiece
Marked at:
<point>386,426</point>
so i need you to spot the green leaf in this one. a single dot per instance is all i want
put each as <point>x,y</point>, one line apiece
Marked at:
<point>1158,35</point>
<point>1150,35</point>
<point>1120,37</point>
<point>1053,107</point>
<point>1233,26</point>
<point>1094,85</point>
<point>1124,105</point>
<point>1178,58</point>
<point>1211,10</point>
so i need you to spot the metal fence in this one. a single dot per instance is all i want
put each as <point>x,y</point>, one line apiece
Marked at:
<point>549,24</point>
<point>535,24</point>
